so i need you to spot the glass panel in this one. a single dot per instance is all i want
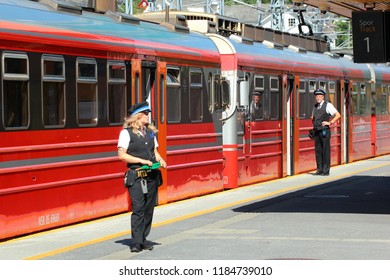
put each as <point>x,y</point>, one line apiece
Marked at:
<point>117,71</point>
<point>14,65</point>
<point>259,83</point>
<point>225,93</point>
<point>15,76</point>
<point>196,78</point>
<point>53,90</point>
<point>210,91</point>
<point>274,83</point>
<point>87,70</point>
<point>87,92</point>
<point>173,104</point>
<point>256,108</point>
<point>312,86</point>
<point>87,103</point>
<point>275,106</point>
<point>355,104</point>
<point>196,113</point>
<point>53,68</point>
<point>53,99</point>
<point>196,92</point>
<point>16,111</point>
<point>116,91</point>
<point>116,103</point>
<point>162,98</point>
<point>173,95</point>
<point>217,92</point>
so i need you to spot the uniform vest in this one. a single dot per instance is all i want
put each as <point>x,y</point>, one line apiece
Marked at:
<point>320,115</point>
<point>142,147</point>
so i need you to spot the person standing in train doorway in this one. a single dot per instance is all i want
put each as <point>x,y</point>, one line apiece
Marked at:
<point>322,112</point>
<point>137,147</point>
<point>256,109</point>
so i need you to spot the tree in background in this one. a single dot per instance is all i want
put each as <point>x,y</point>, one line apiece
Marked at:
<point>343,31</point>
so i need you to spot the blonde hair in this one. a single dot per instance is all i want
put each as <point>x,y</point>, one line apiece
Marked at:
<point>135,124</point>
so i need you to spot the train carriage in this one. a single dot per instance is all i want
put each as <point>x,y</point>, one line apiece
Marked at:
<point>275,144</point>
<point>67,80</point>
<point>380,115</point>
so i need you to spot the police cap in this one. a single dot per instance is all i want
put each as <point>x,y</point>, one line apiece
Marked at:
<point>319,92</point>
<point>138,108</point>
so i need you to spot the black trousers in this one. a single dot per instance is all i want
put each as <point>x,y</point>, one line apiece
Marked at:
<point>322,149</point>
<point>143,208</point>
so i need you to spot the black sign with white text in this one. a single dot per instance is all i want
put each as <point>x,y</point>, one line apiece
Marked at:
<point>369,37</point>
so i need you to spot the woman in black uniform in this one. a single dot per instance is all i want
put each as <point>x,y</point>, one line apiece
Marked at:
<point>137,146</point>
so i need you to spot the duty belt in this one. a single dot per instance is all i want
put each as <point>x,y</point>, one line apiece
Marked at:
<point>142,173</point>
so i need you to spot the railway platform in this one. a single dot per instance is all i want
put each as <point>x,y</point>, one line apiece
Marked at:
<point>344,216</point>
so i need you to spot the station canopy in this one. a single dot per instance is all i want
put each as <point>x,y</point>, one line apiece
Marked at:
<point>346,7</point>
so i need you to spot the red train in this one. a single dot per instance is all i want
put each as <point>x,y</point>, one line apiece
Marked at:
<point>69,75</point>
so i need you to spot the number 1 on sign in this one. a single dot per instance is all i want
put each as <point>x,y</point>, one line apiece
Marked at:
<point>368,43</point>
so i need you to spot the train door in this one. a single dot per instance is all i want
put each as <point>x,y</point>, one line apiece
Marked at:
<point>344,101</point>
<point>149,79</point>
<point>159,113</point>
<point>293,125</point>
<point>288,89</point>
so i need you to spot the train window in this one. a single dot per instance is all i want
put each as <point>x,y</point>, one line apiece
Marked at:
<point>15,73</point>
<point>196,96</point>
<point>162,98</point>
<point>355,104</point>
<point>312,86</point>
<point>322,85</point>
<point>381,100</point>
<point>173,95</point>
<point>331,93</point>
<point>274,83</point>
<point>259,83</point>
<point>275,99</point>
<point>137,87</point>
<point>305,102</point>
<point>263,99</point>
<point>388,100</point>
<point>225,93</point>
<point>217,92</point>
<point>332,87</point>
<point>53,91</point>
<point>116,91</point>
<point>364,102</point>
<point>87,109</point>
<point>211,92</point>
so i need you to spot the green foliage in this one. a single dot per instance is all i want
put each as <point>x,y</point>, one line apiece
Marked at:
<point>342,27</point>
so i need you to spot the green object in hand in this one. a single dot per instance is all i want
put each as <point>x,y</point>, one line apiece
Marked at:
<point>154,166</point>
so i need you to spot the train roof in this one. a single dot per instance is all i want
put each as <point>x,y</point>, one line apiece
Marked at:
<point>275,56</point>
<point>382,72</point>
<point>31,18</point>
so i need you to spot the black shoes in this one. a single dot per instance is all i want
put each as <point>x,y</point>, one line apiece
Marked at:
<point>136,248</point>
<point>148,246</point>
<point>318,173</point>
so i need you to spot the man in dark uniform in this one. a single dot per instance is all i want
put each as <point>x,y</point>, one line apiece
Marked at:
<point>322,112</point>
<point>137,147</point>
<point>256,108</point>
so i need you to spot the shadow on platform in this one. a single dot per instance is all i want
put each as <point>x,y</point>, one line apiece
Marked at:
<point>355,194</point>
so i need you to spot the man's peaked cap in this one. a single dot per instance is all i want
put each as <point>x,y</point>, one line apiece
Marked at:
<point>319,92</point>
